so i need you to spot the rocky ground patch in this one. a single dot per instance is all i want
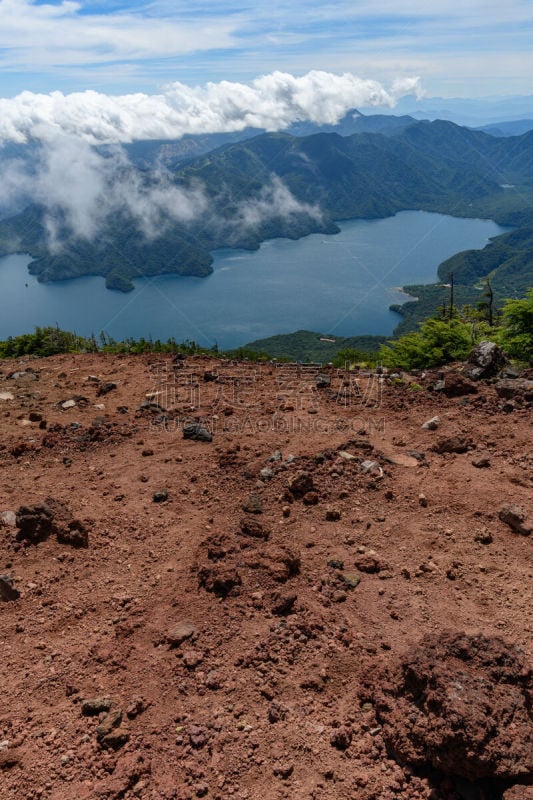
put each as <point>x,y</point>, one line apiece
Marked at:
<point>237,581</point>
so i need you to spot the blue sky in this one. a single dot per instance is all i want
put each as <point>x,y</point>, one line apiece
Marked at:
<point>458,49</point>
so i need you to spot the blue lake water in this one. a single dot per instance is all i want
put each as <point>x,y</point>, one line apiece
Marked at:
<point>340,285</point>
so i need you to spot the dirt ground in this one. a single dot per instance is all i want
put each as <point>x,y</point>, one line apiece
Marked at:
<point>235,594</point>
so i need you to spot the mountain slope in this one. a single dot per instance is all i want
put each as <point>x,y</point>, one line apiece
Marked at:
<point>280,185</point>
<point>146,154</point>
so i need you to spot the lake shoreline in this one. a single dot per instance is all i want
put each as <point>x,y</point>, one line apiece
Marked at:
<point>341,284</point>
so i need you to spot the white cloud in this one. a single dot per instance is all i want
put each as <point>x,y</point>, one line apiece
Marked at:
<point>81,188</point>
<point>52,35</point>
<point>272,101</point>
<point>139,44</point>
<point>274,200</point>
<point>391,13</point>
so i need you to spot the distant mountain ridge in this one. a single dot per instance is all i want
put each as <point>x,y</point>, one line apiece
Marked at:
<point>508,128</point>
<point>146,154</point>
<point>470,111</point>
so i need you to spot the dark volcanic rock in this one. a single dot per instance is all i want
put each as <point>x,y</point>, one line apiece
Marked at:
<point>95,705</point>
<point>7,590</point>
<point>455,385</point>
<point>115,739</point>
<point>454,444</point>
<point>105,388</point>
<point>276,712</point>
<point>197,432</point>
<point>74,533</point>
<point>310,499</point>
<point>112,721</point>
<point>300,483</point>
<point>462,704</point>
<point>35,523</point>
<point>322,381</point>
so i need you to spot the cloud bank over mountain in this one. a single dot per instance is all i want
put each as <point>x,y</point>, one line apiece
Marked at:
<point>81,188</point>
<point>271,102</point>
<point>274,200</point>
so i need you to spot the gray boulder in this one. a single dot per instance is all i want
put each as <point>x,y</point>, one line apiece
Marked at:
<point>485,361</point>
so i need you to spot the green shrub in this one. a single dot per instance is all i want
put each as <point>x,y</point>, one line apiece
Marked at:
<point>51,341</point>
<point>516,335</point>
<point>46,341</point>
<point>350,355</point>
<point>437,342</point>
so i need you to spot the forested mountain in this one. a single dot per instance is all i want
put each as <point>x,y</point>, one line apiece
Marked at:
<point>282,185</point>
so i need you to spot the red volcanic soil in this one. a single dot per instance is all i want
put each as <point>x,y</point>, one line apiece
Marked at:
<point>326,600</point>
